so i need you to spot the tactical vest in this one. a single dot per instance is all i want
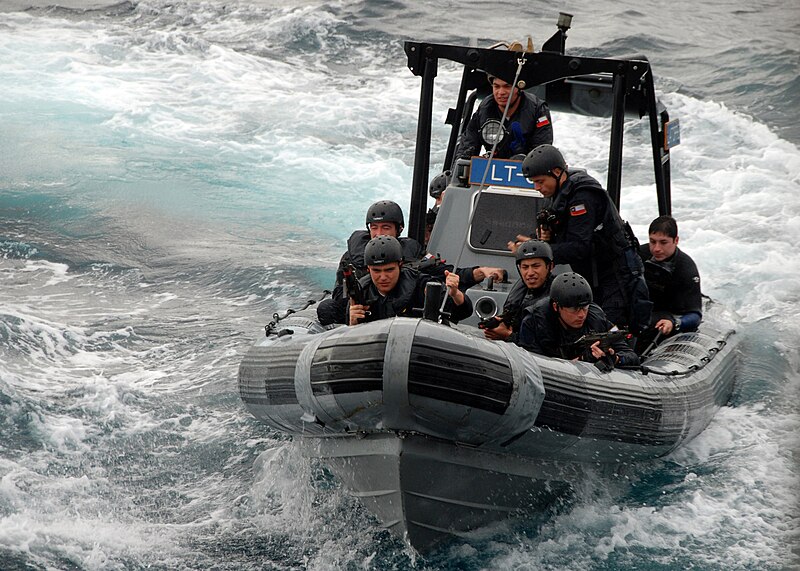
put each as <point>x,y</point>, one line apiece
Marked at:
<point>613,244</point>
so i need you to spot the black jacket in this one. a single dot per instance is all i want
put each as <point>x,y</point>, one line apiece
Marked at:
<point>413,256</point>
<point>580,207</point>
<point>529,127</point>
<point>405,300</point>
<point>674,286</point>
<point>543,333</point>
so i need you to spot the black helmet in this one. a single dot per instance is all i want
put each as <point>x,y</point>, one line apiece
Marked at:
<point>542,160</point>
<point>534,249</point>
<point>570,290</point>
<point>439,184</point>
<point>386,211</point>
<point>383,250</point>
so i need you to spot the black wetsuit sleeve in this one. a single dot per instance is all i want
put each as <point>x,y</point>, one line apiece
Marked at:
<point>460,312</point>
<point>338,287</point>
<point>627,356</point>
<point>688,285</point>
<point>466,278</point>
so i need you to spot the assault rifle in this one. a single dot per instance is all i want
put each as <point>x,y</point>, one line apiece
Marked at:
<point>546,219</point>
<point>607,339</point>
<point>352,287</point>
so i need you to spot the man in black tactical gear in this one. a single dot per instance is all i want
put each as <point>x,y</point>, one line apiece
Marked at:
<point>585,230</point>
<point>553,326</point>
<point>527,123</point>
<point>534,264</point>
<point>673,281</point>
<point>384,218</point>
<point>390,290</point>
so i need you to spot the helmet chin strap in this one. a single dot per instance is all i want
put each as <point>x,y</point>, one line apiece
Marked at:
<point>560,319</point>
<point>558,178</point>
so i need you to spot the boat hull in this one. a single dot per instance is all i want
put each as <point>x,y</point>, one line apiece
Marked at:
<point>440,431</point>
<point>427,491</point>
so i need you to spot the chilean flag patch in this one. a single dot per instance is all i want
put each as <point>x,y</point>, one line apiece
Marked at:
<point>577,210</point>
<point>542,121</point>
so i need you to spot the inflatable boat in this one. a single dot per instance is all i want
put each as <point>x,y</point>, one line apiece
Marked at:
<point>440,431</point>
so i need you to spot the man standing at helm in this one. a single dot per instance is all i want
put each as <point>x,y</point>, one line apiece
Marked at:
<point>527,123</point>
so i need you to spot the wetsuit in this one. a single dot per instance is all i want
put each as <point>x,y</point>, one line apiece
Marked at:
<point>529,127</point>
<point>405,300</point>
<point>674,286</point>
<point>542,332</point>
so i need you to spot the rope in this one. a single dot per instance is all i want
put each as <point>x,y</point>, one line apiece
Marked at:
<point>520,64</point>
<point>269,328</point>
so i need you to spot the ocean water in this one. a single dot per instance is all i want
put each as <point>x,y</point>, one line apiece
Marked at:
<point>172,172</point>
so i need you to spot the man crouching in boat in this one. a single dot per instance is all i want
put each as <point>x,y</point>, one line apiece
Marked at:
<point>390,290</point>
<point>554,327</point>
<point>383,218</point>
<point>534,264</point>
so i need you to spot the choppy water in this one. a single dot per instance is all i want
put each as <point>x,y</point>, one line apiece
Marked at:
<point>172,172</point>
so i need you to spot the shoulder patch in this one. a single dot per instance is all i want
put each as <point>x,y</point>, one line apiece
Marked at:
<point>542,121</point>
<point>577,210</point>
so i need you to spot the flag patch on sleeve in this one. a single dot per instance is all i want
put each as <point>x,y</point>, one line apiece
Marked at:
<point>542,121</point>
<point>577,210</point>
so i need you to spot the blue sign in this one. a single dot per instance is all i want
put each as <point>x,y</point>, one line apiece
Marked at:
<point>672,134</point>
<point>501,173</point>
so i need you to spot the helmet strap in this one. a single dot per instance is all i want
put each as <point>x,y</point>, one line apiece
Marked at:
<point>558,179</point>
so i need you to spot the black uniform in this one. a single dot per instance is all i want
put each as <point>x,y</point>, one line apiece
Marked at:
<point>543,333</point>
<point>414,256</point>
<point>529,127</point>
<point>674,286</point>
<point>589,235</point>
<point>358,240</point>
<point>520,297</point>
<point>403,301</point>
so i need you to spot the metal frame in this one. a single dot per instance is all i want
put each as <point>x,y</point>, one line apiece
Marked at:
<point>629,80</point>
